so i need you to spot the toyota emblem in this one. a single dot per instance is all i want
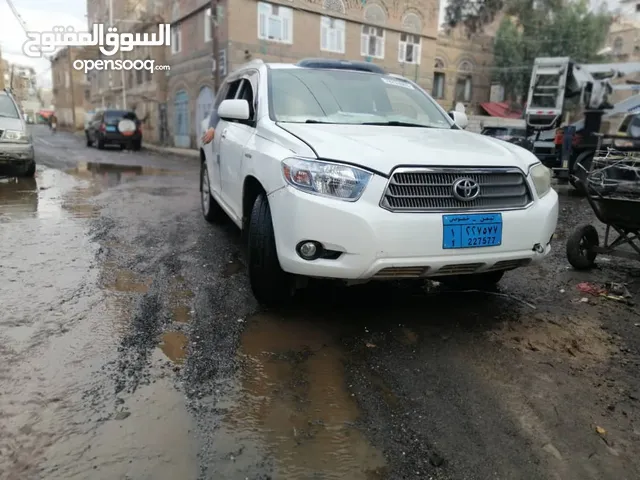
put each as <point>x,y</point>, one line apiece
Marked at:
<point>466,189</point>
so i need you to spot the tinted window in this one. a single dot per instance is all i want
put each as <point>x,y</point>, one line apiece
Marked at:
<point>349,97</point>
<point>7,107</point>
<point>113,115</point>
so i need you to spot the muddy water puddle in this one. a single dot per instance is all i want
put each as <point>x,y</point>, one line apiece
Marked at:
<point>59,418</point>
<point>294,406</point>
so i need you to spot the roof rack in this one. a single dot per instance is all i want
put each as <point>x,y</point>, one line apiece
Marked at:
<point>340,65</point>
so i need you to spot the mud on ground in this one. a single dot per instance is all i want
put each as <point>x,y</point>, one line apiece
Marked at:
<point>152,360</point>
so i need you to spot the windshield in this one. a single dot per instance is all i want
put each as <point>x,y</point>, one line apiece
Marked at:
<point>349,97</point>
<point>7,108</point>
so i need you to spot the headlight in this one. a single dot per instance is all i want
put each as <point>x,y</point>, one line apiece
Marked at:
<point>326,179</point>
<point>15,136</point>
<point>541,177</point>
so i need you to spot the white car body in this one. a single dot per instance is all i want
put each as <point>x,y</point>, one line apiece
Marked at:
<point>373,240</point>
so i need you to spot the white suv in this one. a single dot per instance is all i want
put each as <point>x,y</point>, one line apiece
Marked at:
<point>341,172</point>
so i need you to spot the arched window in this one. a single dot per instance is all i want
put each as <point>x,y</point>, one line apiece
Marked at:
<point>374,13</point>
<point>334,5</point>
<point>438,90</point>
<point>412,23</point>
<point>464,82</point>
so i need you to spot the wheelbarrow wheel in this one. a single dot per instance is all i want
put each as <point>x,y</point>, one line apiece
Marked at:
<point>580,247</point>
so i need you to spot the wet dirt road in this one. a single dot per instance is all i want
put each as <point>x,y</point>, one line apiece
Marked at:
<point>130,347</point>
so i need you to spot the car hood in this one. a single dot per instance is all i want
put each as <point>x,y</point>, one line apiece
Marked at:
<point>382,148</point>
<point>10,124</point>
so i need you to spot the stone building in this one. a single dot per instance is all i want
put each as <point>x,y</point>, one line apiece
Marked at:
<point>462,68</point>
<point>70,87</point>
<point>400,35</point>
<point>623,41</point>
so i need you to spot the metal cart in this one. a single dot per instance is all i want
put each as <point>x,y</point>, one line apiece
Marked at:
<point>612,188</point>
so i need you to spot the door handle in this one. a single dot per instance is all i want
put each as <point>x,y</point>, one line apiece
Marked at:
<point>224,134</point>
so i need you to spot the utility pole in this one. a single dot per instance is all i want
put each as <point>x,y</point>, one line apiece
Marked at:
<point>73,91</point>
<point>122,74</point>
<point>11,78</point>
<point>216,45</point>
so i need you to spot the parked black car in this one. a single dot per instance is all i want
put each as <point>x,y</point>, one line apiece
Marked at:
<point>114,127</point>
<point>515,135</point>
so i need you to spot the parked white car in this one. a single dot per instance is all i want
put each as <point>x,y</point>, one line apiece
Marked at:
<point>341,173</point>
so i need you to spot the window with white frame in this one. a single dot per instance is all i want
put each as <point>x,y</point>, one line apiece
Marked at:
<point>332,33</point>
<point>372,42</point>
<point>409,48</point>
<point>275,23</point>
<point>207,25</point>
<point>176,39</point>
<point>438,79</point>
<point>464,82</point>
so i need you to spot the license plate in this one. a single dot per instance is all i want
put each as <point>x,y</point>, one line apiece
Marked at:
<point>471,231</point>
<point>111,129</point>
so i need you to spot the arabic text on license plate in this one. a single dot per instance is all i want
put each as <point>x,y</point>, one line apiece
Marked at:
<point>471,231</point>
<point>111,129</point>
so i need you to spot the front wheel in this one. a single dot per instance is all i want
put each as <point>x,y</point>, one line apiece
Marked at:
<point>580,247</point>
<point>30,172</point>
<point>474,281</point>
<point>271,285</point>
<point>211,210</point>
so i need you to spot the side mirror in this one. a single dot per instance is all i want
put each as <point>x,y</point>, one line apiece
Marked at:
<point>234,110</point>
<point>459,118</point>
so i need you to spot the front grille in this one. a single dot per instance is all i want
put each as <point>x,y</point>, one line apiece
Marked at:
<point>431,189</point>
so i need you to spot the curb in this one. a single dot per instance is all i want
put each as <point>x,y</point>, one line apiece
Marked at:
<point>175,151</point>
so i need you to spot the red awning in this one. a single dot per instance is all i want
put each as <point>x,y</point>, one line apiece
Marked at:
<point>501,109</point>
<point>45,113</point>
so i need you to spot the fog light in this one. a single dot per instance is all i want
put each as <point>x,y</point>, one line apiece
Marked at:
<point>538,248</point>
<point>309,250</point>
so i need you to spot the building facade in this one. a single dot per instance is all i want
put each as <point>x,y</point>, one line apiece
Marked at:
<point>399,35</point>
<point>143,91</point>
<point>70,87</point>
<point>462,69</point>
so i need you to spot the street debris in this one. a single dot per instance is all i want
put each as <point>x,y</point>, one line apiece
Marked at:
<point>610,290</point>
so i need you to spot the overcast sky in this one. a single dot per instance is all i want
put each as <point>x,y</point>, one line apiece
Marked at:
<point>42,15</point>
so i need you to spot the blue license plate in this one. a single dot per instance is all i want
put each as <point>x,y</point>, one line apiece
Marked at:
<point>111,128</point>
<point>471,231</point>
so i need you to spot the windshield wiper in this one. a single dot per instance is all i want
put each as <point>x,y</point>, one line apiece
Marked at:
<point>318,121</point>
<point>396,123</point>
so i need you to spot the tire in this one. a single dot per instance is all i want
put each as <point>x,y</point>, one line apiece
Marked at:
<point>211,210</point>
<point>100,143</point>
<point>137,146</point>
<point>30,172</point>
<point>89,142</point>
<point>271,286</point>
<point>122,146</point>
<point>474,281</point>
<point>578,247</point>
<point>584,160</point>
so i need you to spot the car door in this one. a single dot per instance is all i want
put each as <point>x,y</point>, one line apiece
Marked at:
<point>234,137</point>
<point>212,150</point>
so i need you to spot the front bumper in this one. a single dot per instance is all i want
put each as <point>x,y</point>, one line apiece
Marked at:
<point>16,154</point>
<point>376,243</point>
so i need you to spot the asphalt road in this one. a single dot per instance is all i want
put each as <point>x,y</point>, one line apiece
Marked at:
<point>131,347</point>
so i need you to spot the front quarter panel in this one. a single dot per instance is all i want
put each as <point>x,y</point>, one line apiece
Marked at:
<point>268,148</point>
